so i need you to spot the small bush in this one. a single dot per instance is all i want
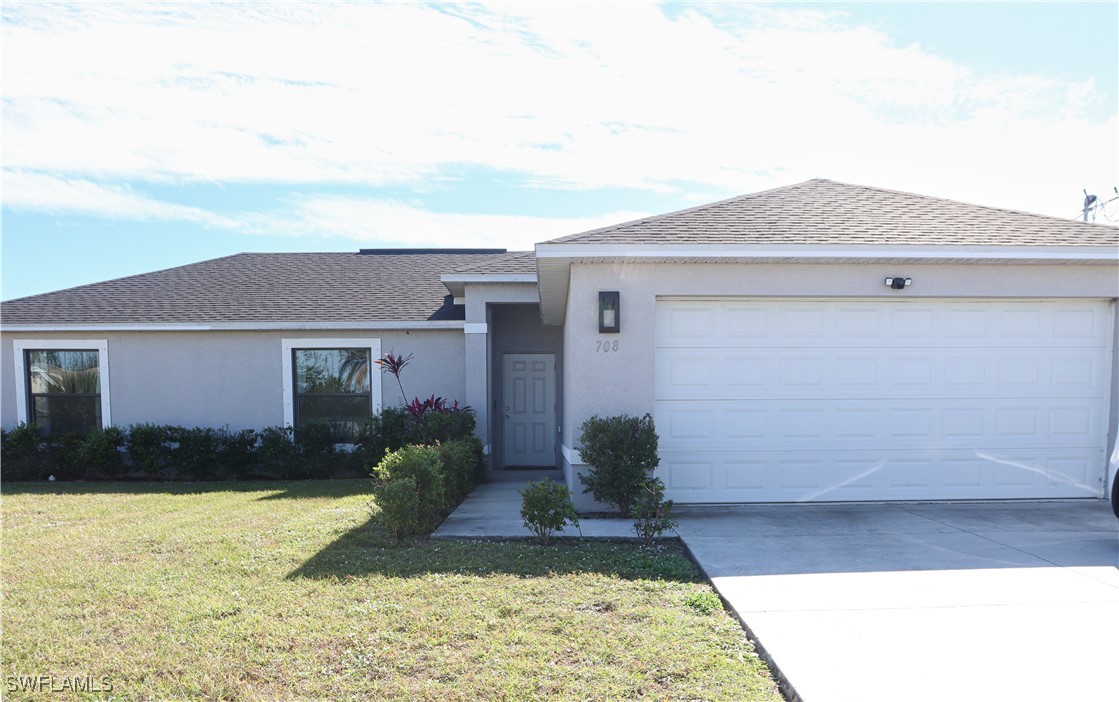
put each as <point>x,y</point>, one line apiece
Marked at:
<point>463,466</point>
<point>317,455</point>
<point>101,453</point>
<point>398,429</point>
<point>276,455</point>
<point>397,506</point>
<point>704,602</point>
<point>388,431</point>
<point>64,456</point>
<point>22,455</point>
<point>621,453</point>
<point>149,448</point>
<point>652,514</point>
<point>195,452</point>
<point>546,509</point>
<point>423,466</point>
<point>238,452</point>
<point>369,445</point>
<point>448,425</point>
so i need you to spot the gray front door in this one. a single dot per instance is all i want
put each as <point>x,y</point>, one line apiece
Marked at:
<point>529,382</point>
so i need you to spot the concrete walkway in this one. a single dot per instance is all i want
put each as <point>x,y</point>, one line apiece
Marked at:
<point>996,601</point>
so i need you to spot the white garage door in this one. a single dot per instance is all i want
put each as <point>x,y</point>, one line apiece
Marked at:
<point>793,400</point>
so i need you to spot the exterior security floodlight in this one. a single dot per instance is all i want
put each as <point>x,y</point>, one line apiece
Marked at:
<point>899,283</point>
<point>609,313</point>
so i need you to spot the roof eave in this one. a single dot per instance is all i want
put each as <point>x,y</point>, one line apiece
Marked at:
<point>553,261</point>
<point>231,326</point>
<point>456,282</point>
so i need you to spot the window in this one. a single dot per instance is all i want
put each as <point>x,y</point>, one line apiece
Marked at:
<point>331,381</point>
<point>62,386</point>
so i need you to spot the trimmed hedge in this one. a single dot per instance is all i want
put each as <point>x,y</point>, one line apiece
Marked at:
<point>165,452</point>
<point>416,486</point>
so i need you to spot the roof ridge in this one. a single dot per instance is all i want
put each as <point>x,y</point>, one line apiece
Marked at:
<point>1070,220</point>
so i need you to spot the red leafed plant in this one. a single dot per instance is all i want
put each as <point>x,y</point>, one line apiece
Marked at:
<point>418,408</point>
<point>393,364</point>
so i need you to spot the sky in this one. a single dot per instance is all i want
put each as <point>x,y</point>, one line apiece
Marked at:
<point>137,136</point>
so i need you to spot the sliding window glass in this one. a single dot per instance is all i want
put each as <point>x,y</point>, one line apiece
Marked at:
<point>64,390</point>
<point>332,386</point>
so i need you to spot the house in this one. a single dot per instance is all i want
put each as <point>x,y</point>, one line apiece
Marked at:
<point>821,341</point>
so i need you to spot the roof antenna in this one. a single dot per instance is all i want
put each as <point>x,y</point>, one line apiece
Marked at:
<point>1089,201</point>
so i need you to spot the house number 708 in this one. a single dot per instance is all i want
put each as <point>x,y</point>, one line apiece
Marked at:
<point>606,346</point>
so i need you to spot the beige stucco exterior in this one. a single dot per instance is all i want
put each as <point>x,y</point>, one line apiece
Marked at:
<point>234,378</point>
<point>616,382</point>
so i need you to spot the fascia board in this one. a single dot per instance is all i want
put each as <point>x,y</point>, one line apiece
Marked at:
<point>825,252</point>
<point>234,326</point>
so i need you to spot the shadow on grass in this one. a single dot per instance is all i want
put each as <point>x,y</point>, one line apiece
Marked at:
<point>275,489</point>
<point>369,550</point>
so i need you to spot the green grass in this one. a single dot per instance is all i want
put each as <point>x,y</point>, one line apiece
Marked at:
<point>279,591</point>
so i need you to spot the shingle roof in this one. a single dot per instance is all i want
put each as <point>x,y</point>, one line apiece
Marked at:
<point>827,212</point>
<point>512,262</point>
<point>261,287</point>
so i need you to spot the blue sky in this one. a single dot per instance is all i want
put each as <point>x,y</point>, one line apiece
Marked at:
<point>144,136</point>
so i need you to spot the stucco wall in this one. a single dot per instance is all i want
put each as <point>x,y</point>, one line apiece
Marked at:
<point>615,382</point>
<point>233,378</point>
<point>480,297</point>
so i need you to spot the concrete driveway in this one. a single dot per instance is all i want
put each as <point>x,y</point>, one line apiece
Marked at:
<point>1007,601</point>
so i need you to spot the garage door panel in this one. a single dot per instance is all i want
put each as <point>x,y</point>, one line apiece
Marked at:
<point>898,324</point>
<point>720,373</point>
<point>922,475</point>
<point>795,425</point>
<point>791,400</point>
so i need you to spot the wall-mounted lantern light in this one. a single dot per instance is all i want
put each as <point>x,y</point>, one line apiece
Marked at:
<point>609,320</point>
<point>899,283</point>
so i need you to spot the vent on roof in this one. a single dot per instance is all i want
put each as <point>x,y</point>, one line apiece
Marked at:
<point>414,252</point>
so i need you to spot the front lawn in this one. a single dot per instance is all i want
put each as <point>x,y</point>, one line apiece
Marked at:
<point>285,591</point>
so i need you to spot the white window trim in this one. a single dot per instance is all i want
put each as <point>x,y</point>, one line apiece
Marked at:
<point>99,345</point>
<point>289,345</point>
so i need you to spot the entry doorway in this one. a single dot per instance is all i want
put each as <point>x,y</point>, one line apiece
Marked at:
<point>529,409</point>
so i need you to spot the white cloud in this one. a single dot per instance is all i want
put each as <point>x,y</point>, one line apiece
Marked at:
<point>37,191</point>
<point>362,220</point>
<point>390,223</point>
<point>572,95</point>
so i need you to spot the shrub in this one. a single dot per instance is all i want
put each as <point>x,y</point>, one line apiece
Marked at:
<point>238,452</point>
<point>388,431</point>
<point>275,452</point>
<point>316,453</point>
<point>148,448</point>
<point>64,456</point>
<point>22,454</point>
<point>546,509</point>
<point>101,454</point>
<point>397,506</point>
<point>195,451</point>
<point>423,466</point>
<point>368,444</point>
<point>652,514</point>
<point>621,453</point>
<point>449,425</point>
<point>463,467</point>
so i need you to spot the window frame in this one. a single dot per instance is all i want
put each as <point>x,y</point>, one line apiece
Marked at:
<point>289,346</point>
<point>20,348</point>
